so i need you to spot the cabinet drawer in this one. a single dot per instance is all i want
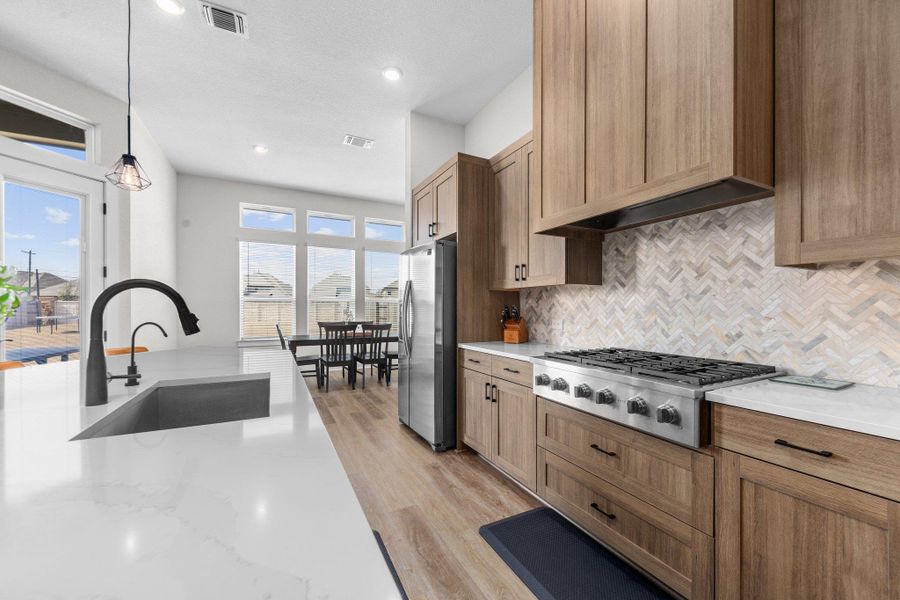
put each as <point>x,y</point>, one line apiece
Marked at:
<point>675,553</point>
<point>674,479</point>
<point>517,371</point>
<point>477,361</point>
<point>857,460</point>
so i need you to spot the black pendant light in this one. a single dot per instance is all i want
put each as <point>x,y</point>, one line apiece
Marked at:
<point>128,173</point>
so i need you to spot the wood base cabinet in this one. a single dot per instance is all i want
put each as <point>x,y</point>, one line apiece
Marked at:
<point>784,534</point>
<point>641,100</point>
<point>673,552</point>
<point>499,414</point>
<point>523,259</point>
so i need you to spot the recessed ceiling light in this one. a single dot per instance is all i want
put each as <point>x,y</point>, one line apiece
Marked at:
<point>173,7</point>
<point>260,148</point>
<point>392,74</point>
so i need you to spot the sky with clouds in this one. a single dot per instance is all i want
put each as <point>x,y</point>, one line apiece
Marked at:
<point>47,223</point>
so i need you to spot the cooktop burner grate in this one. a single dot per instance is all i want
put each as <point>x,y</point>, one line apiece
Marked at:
<point>673,367</point>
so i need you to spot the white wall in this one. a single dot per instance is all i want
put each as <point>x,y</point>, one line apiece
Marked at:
<point>208,231</point>
<point>153,241</point>
<point>503,120</point>
<point>432,143</point>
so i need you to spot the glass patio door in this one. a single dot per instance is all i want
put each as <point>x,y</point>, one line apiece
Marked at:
<point>52,235</point>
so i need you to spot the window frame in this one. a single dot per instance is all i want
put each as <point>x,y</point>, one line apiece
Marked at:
<point>241,337</point>
<point>286,210</point>
<point>331,215</point>
<point>48,110</point>
<point>377,221</point>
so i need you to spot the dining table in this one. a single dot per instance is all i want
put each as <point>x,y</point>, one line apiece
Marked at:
<point>314,339</point>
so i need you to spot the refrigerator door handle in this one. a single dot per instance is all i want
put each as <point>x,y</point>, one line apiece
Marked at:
<point>407,317</point>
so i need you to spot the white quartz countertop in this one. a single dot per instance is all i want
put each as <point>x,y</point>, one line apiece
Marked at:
<point>260,508</point>
<point>862,408</point>
<point>515,351</point>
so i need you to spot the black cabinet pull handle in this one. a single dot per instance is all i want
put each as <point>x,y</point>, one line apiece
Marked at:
<point>524,272</point>
<point>596,507</point>
<point>487,391</point>
<point>429,230</point>
<point>434,228</point>
<point>517,272</point>
<point>477,362</point>
<point>787,444</point>
<point>599,449</point>
<point>494,393</point>
<point>510,370</point>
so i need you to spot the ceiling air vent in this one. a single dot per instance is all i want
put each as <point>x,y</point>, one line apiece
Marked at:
<point>225,19</point>
<point>359,142</point>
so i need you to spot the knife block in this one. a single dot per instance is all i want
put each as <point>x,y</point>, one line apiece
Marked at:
<point>515,332</point>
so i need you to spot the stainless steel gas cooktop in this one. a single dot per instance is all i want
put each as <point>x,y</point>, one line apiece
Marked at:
<point>661,394</point>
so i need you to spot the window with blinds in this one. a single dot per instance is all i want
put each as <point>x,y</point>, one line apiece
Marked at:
<point>331,281</point>
<point>268,293</point>
<point>382,287</point>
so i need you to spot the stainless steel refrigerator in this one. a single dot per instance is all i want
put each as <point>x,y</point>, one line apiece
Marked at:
<point>428,342</point>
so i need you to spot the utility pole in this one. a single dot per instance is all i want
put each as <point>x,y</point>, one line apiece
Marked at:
<point>30,253</point>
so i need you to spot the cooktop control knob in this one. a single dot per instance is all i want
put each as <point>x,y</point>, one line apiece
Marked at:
<point>667,414</point>
<point>559,384</point>
<point>605,396</point>
<point>583,391</point>
<point>637,406</point>
<point>542,379</point>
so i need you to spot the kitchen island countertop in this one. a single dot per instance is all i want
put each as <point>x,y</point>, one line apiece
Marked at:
<point>259,508</point>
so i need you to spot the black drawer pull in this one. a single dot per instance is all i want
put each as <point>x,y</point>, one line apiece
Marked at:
<point>487,391</point>
<point>477,362</point>
<point>494,393</point>
<point>510,370</point>
<point>787,444</point>
<point>596,507</point>
<point>599,449</point>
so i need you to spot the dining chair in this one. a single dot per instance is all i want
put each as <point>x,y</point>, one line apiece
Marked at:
<point>336,351</point>
<point>371,351</point>
<point>322,325</point>
<point>393,362</point>
<point>303,361</point>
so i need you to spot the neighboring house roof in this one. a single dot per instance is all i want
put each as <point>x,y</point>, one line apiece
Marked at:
<point>336,284</point>
<point>265,285</point>
<point>66,288</point>
<point>46,279</point>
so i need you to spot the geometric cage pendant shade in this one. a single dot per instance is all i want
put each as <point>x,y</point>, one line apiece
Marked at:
<point>128,173</point>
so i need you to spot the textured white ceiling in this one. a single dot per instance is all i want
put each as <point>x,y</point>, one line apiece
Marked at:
<point>309,73</point>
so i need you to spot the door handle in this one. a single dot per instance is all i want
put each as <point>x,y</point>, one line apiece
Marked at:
<point>487,391</point>
<point>430,232</point>
<point>508,370</point>
<point>596,507</point>
<point>524,272</point>
<point>599,449</point>
<point>517,272</point>
<point>434,228</point>
<point>494,393</point>
<point>787,444</point>
<point>407,295</point>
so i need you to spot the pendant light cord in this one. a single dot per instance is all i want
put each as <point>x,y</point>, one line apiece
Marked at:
<point>128,60</point>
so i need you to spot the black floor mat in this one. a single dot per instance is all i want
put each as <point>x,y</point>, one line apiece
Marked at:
<point>558,561</point>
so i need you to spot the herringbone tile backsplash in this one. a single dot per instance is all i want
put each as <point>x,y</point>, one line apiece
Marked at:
<point>706,285</point>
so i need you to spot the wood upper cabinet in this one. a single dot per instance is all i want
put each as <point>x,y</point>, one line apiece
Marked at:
<point>523,259</point>
<point>435,205</point>
<point>510,221</point>
<point>838,131</point>
<point>477,411</point>
<point>445,200</point>
<point>784,534</point>
<point>639,100</point>
<point>422,215</point>
<point>513,445</point>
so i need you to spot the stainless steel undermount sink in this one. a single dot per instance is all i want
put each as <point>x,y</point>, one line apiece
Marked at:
<point>174,404</point>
